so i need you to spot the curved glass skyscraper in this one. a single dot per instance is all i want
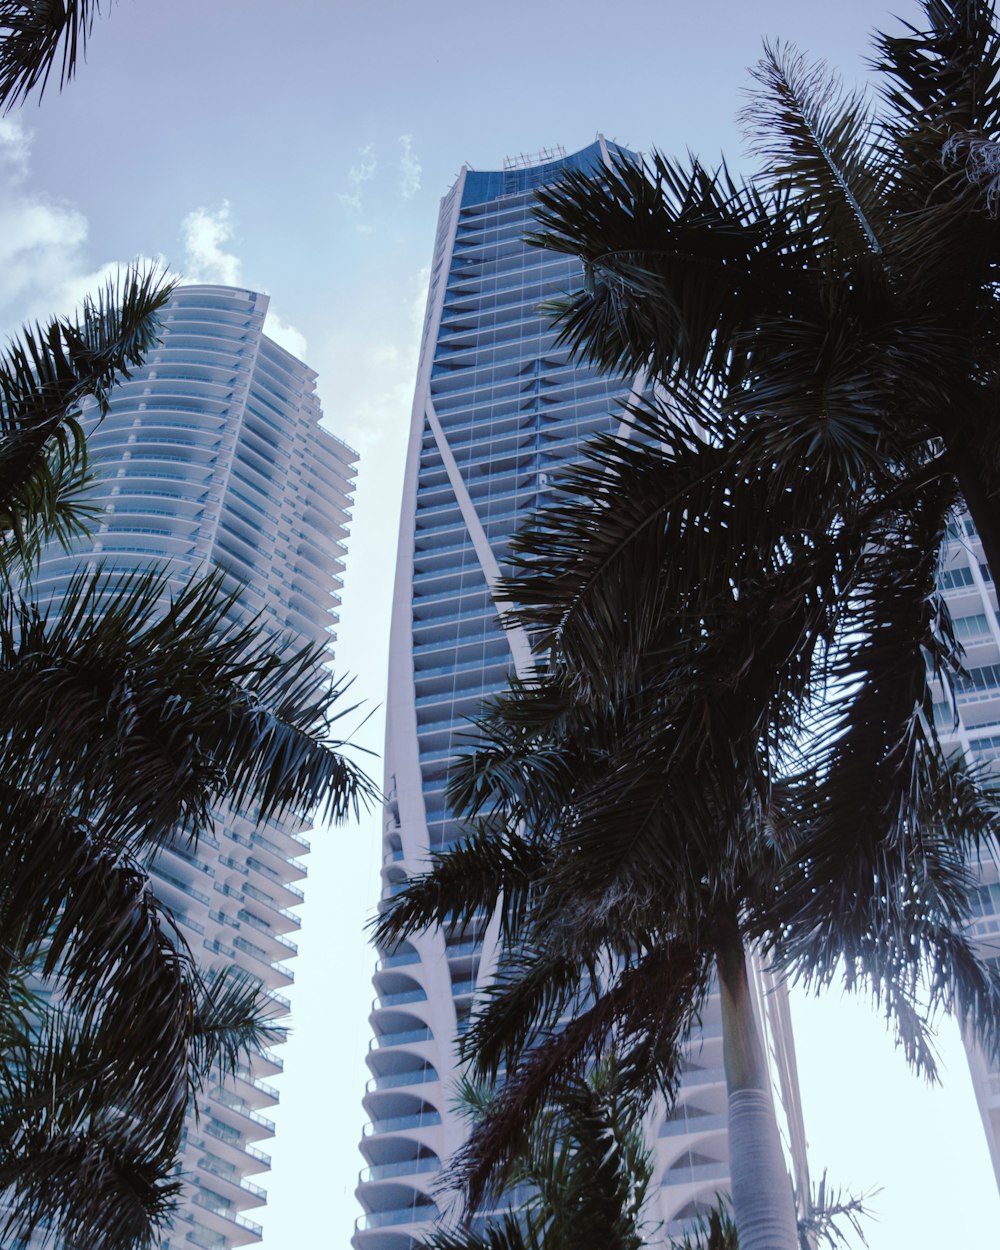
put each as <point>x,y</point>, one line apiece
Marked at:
<point>213,456</point>
<point>499,409</point>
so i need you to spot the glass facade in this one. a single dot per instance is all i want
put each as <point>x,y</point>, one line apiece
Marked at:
<point>498,410</point>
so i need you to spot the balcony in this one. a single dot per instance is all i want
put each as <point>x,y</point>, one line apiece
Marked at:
<point>696,1174</point>
<point>233,1102</point>
<point>255,922</point>
<point>232,1177</point>
<point>400,1039</point>
<point>694,1124</point>
<point>397,961</point>
<point>401,996</point>
<point>233,1217</point>
<point>402,1215</point>
<point>386,1171</point>
<point>400,1123</point>
<point>175,883</point>
<point>393,1080</point>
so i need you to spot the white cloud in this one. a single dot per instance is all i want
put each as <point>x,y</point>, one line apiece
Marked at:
<point>285,334</point>
<point>15,148</point>
<point>205,231</point>
<point>44,254</point>
<point>43,242</point>
<point>409,169</point>
<point>360,173</point>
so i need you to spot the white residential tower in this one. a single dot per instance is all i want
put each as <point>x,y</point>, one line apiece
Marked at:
<point>213,456</point>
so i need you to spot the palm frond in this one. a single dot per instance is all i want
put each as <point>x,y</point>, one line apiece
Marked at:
<point>147,708</point>
<point>504,1233</point>
<point>93,1097</point>
<point>649,1009</point>
<point>695,257</point>
<point>906,897</point>
<point>45,378</point>
<point>93,1191</point>
<point>818,144</point>
<point>828,1210</point>
<point>233,1017</point>
<point>87,1141</point>
<point>53,506</point>
<point>488,867</point>
<point>34,38</point>
<point>714,1231</point>
<point>943,77</point>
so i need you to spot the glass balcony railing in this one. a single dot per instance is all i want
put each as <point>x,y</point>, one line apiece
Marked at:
<point>402,1215</point>
<point>400,1123</point>
<point>400,1039</point>
<point>399,960</point>
<point>696,1174</point>
<point>409,1167</point>
<point>693,1124</point>
<point>396,1000</point>
<point>392,1080</point>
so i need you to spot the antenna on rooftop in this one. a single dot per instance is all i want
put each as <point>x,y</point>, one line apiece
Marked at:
<point>525,160</point>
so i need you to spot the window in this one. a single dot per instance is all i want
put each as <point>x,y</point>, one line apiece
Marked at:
<point>952,579</point>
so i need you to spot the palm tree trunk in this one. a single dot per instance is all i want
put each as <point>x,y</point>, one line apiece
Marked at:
<point>762,1193</point>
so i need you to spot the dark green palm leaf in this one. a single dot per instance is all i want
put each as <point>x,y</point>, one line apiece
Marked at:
<point>149,708</point>
<point>45,378</point>
<point>818,143</point>
<point>35,37</point>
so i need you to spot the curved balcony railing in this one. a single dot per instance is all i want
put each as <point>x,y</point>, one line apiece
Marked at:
<point>397,961</point>
<point>399,1123</point>
<point>400,1039</point>
<point>693,1124</point>
<point>402,1215</point>
<point>400,997</point>
<point>386,1171</point>
<point>695,1174</point>
<point>237,1104</point>
<point>392,1080</point>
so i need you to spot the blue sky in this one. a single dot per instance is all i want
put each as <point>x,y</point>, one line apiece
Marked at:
<point>302,148</point>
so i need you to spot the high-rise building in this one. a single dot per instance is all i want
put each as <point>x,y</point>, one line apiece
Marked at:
<point>968,588</point>
<point>212,455</point>
<point>499,409</point>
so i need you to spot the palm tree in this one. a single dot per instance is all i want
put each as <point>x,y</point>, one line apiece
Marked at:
<point>130,713</point>
<point>46,378</point>
<point>640,825</point>
<point>90,1119</point>
<point>827,338</point>
<point>835,319</point>
<point>828,1211</point>
<point>123,728</point>
<point>581,1181</point>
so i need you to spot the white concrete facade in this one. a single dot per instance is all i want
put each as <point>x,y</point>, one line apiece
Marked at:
<point>968,589</point>
<point>498,409</point>
<point>213,455</point>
